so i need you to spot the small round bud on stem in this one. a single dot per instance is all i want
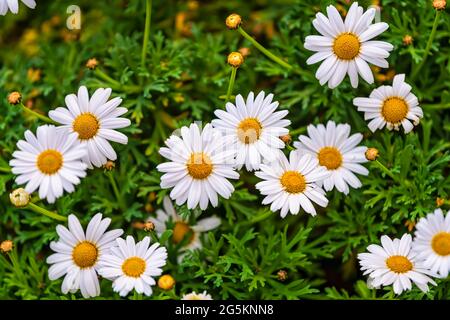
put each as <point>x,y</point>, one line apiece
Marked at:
<point>439,4</point>
<point>109,165</point>
<point>286,139</point>
<point>440,202</point>
<point>92,63</point>
<point>233,21</point>
<point>410,225</point>
<point>282,275</point>
<point>19,198</point>
<point>235,59</point>
<point>166,282</point>
<point>6,246</point>
<point>149,226</point>
<point>372,154</point>
<point>407,40</point>
<point>14,98</point>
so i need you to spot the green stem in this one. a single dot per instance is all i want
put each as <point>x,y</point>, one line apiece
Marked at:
<point>231,84</point>
<point>37,115</point>
<point>107,78</point>
<point>385,170</point>
<point>148,20</point>
<point>45,212</point>
<point>429,44</point>
<point>116,84</point>
<point>5,170</point>
<point>116,190</point>
<point>260,218</point>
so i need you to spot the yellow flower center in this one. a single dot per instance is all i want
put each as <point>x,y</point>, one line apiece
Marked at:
<point>441,243</point>
<point>394,110</point>
<point>180,230</point>
<point>85,254</point>
<point>134,267</point>
<point>399,264</point>
<point>86,125</point>
<point>249,130</point>
<point>199,166</point>
<point>346,46</point>
<point>330,157</point>
<point>293,182</point>
<point>50,161</point>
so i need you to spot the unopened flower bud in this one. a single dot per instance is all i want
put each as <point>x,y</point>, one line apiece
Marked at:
<point>372,154</point>
<point>410,225</point>
<point>407,40</point>
<point>109,165</point>
<point>439,201</point>
<point>235,59</point>
<point>149,226</point>
<point>245,51</point>
<point>6,246</point>
<point>14,98</point>
<point>282,275</point>
<point>286,138</point>
<point>92,63</point>
<point>439,4</point>
<point>166,282</point>
<point>233,21</point>
<point>19,198</point>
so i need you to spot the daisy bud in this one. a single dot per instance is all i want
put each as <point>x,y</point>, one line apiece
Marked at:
<point>282,275</point>
<point>407,40</point>
<point>14,98</point>
<point>92,63</point>
<point>109,165</point>
<point>410,225</point>
<point>149,226</point>
<point>439,202</point>
<point>286,138</point>
<point>34,75</point>
<point>244,51</point>
<point>233,21</point>
<point>19,198</point>
<point>439,4</point>
<point>235,59</point>
<point>6,246</point>
<point>166,282</point>
<point>372,154</point>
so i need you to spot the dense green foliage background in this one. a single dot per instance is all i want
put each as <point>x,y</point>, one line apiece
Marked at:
<point>185,79</point>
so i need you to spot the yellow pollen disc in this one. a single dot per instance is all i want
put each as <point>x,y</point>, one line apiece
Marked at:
<point>330,157</point>
<point>86,125</point>
<point>293,182</point>
<point>85,254</point>
<point>394,110</point>
<point>134,267</point>
<point>399,264</point>
<point>346,46</point>
<point>50,161</point>
<point>441,243</point>
<point>199,166</point>
<point>180,230</point>
<point>249,130</point>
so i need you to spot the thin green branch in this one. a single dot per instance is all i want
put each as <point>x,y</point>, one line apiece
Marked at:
<point>148,20</point>
<point>45,212</point>
<point>231,83</point>
<point>37,115</point>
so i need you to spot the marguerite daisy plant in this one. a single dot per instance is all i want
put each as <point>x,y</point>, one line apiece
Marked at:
<point>133,265</point>
<point>432,242</point>
<point>395,264</point>
<point>199,167</point>
<point>13,6</point>
<point>49,161</point>
<point>197,296</point>
<point>182,230</point>
<point>391,106</point>
<point>338,152</point>
<point>254,128</point>
<point>78,254</point>
<point>95,121</point>
<point>347,47</point>
<point>291,184</point>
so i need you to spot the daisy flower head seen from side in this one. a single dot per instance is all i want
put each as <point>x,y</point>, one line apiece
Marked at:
<point>50,161</point>
<point>197,296</point>
<point>200,164</point>
<point>95,121</point>
<point>391,106</point>
<point>291,184</point>
<point>13,6</point>
<point>346,47</point>
<point>432,242</point>
<point>254,128</point>
<point>133,265</point>
<point>183,232</point>
<point>394,263</point>
<point>338,152</point>
<point>77,254</point>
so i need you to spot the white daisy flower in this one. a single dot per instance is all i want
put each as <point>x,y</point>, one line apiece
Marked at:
<point>289,184</point>
<point>199,167</point>
<point>346,46</point>
<point>432,242</point>
<point>394,263</point>
<point>78,254</point>
<point>254,129</point>
<point>338,152</point>
<point>133,265</point>
<point>391,106</point>
<point>13,6</point>
<point>50,161</point>
<point>95,121</point>
<point>181,227</point>
<point>197,296</point>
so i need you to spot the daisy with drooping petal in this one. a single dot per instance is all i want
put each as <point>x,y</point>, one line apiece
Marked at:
<point>197,296</point>
<point>346,47</point>
<point>254,129</point>
<point>181,228</point>
<point>391,106</point>
<point>50,161</point>
<point>394,263</point>
<point>78,253</point>
<point>338,152</point>
<point>95,121</point>
<point>13,6</point>
<point>432,242</point>
<point>291,184</point>
<point>133,265</point>
<point>199,167</point>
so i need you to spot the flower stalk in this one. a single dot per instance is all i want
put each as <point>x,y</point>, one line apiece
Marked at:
<point>148,20</point>
<point>37,115</point>
<point>34,207</point>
